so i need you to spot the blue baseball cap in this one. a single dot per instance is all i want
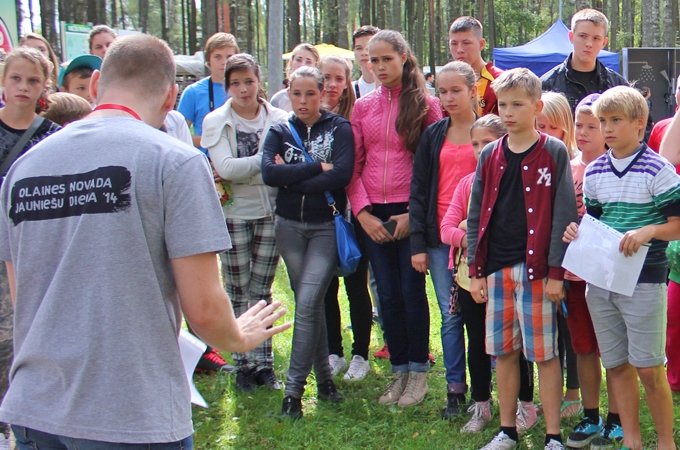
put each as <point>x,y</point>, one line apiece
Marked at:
<point>92,61</point>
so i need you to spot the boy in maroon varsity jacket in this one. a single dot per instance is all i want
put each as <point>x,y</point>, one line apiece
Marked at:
<point>521,199</point>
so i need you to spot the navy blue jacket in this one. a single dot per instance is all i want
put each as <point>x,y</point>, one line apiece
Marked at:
<point>302,184</point>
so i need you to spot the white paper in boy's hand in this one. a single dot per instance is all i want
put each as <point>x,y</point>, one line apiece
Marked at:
<point>594,256</point>
<point>191,348</point>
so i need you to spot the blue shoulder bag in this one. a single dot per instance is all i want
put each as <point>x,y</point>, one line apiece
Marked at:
<point>348,248</point>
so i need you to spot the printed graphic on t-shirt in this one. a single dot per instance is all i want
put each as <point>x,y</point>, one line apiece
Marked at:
<point>320,149</point>
<point>100,191</point>
<point>247,143</point>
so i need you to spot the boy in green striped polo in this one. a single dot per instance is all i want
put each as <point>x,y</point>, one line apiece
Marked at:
<point>637,192</point>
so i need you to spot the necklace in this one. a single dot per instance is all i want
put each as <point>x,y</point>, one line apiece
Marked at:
<point>118,107</point>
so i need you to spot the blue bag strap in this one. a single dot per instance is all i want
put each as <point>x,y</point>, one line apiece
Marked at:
<point>308,157</point>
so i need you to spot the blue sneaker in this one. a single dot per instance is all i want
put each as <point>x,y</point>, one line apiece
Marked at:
<point>584,432</point>
<point>610,435</point>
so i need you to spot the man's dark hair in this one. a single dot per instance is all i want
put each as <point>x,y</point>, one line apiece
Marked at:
<point>79,72</point>
<point>364,30</point>
<point>466,23</point>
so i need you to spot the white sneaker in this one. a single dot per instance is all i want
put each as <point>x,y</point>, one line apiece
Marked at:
<point>358,369</point>
<point>481,415</point>
<point>554,445</point>
<point>500,442</point>
<point>526,416</point>
<point>337,364</point>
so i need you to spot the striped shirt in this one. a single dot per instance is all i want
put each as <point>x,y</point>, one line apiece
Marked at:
<point>645,192</point>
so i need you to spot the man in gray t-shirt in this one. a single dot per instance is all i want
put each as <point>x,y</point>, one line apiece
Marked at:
<point>109,232</point>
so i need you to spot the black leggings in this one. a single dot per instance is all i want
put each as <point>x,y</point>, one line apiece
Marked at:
<point>360,311</point>
<point>566,353</point>
<point>479,362</point>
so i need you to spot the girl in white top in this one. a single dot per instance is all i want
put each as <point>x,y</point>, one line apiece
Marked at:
<point>233,135</point>
<point>302,55</point>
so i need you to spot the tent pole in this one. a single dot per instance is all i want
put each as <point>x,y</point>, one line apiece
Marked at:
<point>560,9</point>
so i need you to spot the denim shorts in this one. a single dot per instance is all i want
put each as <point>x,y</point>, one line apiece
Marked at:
<point>30,439</point>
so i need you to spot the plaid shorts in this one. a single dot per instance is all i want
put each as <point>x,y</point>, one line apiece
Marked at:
<point>519,316</point>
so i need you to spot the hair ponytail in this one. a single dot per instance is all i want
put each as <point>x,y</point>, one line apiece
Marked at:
<point>413,106</point>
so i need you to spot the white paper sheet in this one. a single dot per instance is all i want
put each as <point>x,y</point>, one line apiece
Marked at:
<point>595,257</point>
<point>191,348</point>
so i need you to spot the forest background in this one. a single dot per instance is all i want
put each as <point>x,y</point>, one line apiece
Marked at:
<point>257,24</point>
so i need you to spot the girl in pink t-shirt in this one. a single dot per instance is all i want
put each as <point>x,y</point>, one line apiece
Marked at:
<point>443,157</point>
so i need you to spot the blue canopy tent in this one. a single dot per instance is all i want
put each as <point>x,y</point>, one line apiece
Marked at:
<point>545,52</point>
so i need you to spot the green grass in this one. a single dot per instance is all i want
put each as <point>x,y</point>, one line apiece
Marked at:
<point>240,421</point>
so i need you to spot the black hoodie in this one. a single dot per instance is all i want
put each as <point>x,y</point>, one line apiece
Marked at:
<point>302,184</point>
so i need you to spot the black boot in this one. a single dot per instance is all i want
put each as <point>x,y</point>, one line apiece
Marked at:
<point>455,403</point>
<point>245,381</point>
<point>292,407</point>
<point>328,392</point>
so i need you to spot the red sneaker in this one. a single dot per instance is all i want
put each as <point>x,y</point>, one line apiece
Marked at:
<point>211,361</point>
<point>383,353</point>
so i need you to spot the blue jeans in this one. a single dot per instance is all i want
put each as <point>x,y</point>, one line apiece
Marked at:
<point>401,292</point>
<point>453,339</point>
<point>30,439</point>
<point>310,253</point>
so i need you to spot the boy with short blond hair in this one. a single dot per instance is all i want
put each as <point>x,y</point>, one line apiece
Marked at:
<point>582,73</point>
<point>521,199</point>
<point>635,191</point>
<point>591,429</point>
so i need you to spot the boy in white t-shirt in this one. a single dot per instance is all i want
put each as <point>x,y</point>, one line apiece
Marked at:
<point>366,82</point>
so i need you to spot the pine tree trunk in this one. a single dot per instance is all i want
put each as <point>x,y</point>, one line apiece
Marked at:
<point>614,25</point>
<point>114,13</point>
<point>669,28</point>
<point>317,21</point>
<point>479,12</point>
<point>274,44</point>
<point>193,28</point>
<point>143,21</point>
<point>395,10</point>
<point>330,22</point>
<point>410,14</point>
<point>164,20</point>
<point>582,4</point>
<point>239,22</point>
<point>30,15</point>
<point>650,24</point>
<point>92,11</point>
<point>209,18</point>
<point>365,12</point>
<point>491,29</point>
<point>343,13</point>
<point>628,23</point>
<point>432,34</point>
<point>293,23</point>
<point>48,24</point>
<point>419,38</point>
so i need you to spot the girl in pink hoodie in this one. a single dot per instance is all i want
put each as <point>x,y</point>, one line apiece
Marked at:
<point>387,124</point>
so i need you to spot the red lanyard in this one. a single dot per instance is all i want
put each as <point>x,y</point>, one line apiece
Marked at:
<point>118,107</point>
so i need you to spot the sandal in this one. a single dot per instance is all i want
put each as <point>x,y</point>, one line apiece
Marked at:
<point>570,408</point>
